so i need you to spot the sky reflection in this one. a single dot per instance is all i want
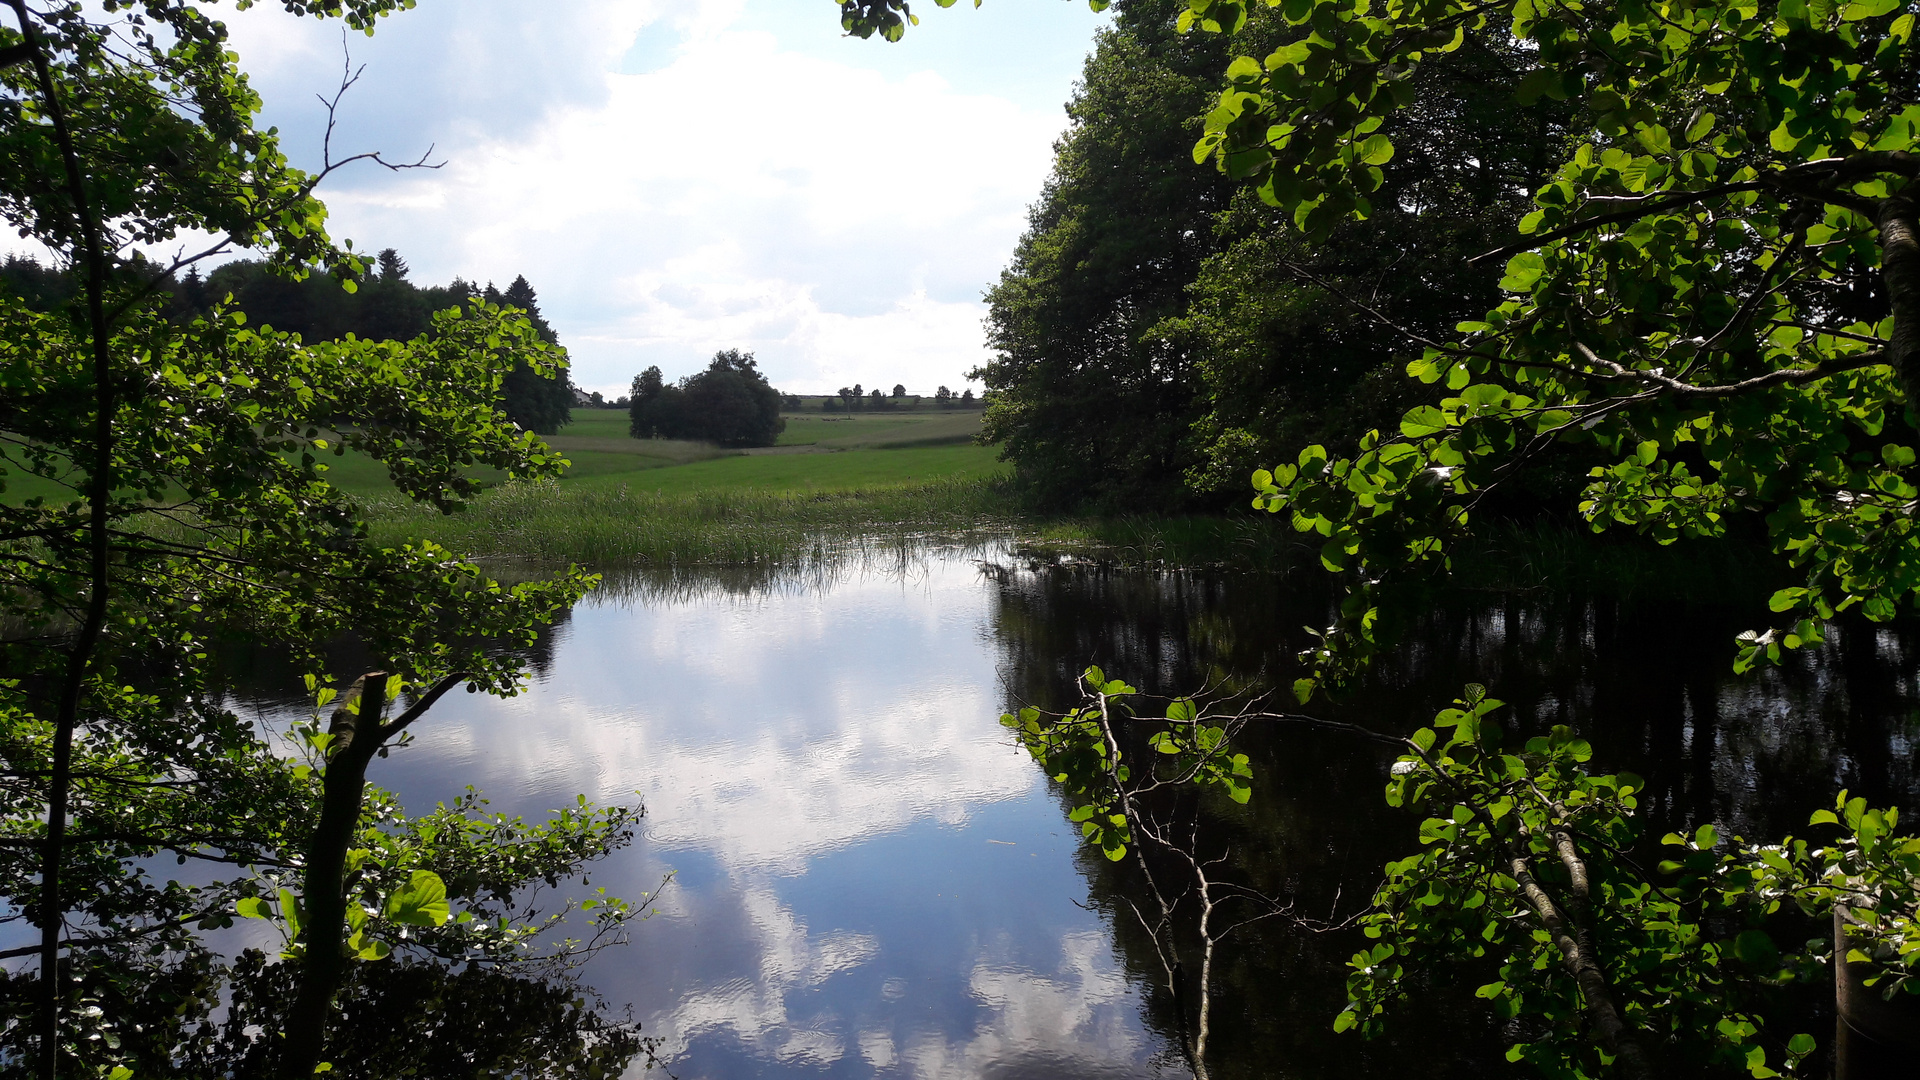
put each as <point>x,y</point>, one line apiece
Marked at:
<point>870,877</point>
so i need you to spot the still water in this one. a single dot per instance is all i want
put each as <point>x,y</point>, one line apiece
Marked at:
<point>870,878</point>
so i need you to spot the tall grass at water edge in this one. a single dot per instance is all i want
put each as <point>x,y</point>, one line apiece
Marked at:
<point>613,525</point>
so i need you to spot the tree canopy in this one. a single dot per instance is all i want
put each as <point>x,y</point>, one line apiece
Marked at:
<point>193,508</point>
<point>1715,287</point>
<point>1711,300</point>
<point>1712,290</point>
<point>730,403</point>
<point>385,306</point>
<point>1160,332</point>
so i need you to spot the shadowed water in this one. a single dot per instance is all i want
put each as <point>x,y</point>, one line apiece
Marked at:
<point>870,878</point>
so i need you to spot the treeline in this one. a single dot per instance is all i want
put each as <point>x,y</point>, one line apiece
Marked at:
<point>730,403</point>
<point>1161,332</point>
<point>385,307</point>
<point>854,399</point>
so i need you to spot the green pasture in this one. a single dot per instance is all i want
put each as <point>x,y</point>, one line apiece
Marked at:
<point>847,470</point>
<point>816,453</point>
<point>880,430</point>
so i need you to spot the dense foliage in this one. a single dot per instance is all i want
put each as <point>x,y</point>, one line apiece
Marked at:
<point>385,306</point>
<point>191,451</point>
<point>1158,336</point>
<point>1084,404</point>
<point>729,403</point>
<point>1712,304</point>
<point>1715,291</point>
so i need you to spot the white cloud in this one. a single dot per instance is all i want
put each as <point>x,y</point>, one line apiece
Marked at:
<point>763,731</point>
<point>737,175</point>
<point>755,1011</point>
<point>1082,1019</point>
<point>774,736</point>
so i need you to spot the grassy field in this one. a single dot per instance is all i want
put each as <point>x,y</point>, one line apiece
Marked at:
<point>880,431</point>
<point>830,482</point>
<point>816,453</point>
<point>836,480</point>
<point>610,524</point>
<point>657,501</point>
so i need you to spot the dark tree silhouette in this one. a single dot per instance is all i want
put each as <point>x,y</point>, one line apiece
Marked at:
<point>729,403</point>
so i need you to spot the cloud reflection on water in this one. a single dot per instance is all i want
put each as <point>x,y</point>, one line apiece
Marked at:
<point>818,766</point>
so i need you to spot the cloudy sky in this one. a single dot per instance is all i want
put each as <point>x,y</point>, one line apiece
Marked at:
<point>676,179</point>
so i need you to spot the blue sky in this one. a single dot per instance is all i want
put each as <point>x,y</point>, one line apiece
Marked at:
<point>676,179</point>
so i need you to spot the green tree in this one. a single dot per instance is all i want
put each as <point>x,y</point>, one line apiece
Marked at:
<point>1288,335</point>
<point>729,403</point>
<point>188,454</point>
<point>1715,291</point>
<point>1717,288</point>
<point>540,400</point>
<point>1150,292</point>
<point>1087,406</point>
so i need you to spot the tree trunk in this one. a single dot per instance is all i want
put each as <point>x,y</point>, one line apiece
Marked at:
<point>1873,1038</point>
<point>1578,960</point>
<point>1900,269</point>
<point>53,907</point>
<point>356,736</point>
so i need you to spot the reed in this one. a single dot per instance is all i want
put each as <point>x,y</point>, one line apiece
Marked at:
<point>614,525</point>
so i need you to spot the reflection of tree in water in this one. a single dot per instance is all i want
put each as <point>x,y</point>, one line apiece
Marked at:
<point>264,680</point>
<point>1650,685</point>
<point>397,1017</point>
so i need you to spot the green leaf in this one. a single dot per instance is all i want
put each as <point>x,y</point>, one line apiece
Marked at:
<point>1377,150</point>
<point>1756,949</point>
<point>1867,9</point>
<point>290,912</point>
<point>1245,69</point>
<point>1289,55</point>
<point>1522,271</point>
<point>1423,420</point>
<point>422,901</point>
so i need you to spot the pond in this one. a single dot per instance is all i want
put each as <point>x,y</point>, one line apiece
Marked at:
<point>870,878</point>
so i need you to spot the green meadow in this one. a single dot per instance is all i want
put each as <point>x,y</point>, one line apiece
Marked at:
<point>836,480</point>
<point>816,454</point>
<point>829,480</point>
